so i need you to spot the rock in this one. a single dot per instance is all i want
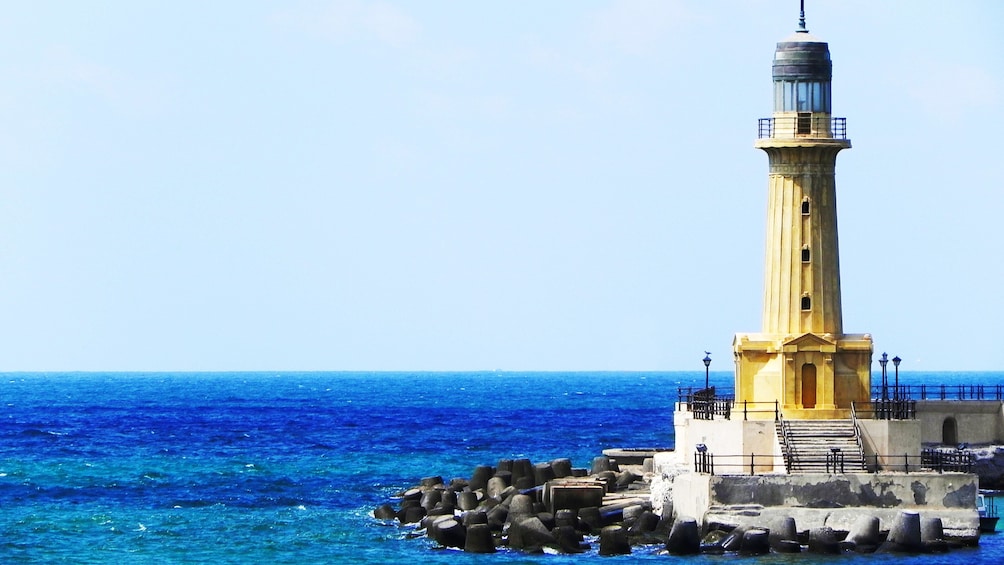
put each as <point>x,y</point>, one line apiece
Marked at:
<point>614,541</point>
<point>479,539</point>
<point>684,537</point>
<point>385,512</point>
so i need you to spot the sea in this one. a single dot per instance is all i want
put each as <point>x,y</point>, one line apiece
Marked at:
<point>287,467</point>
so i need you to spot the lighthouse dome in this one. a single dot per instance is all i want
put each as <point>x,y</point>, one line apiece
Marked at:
<point>802,57</point>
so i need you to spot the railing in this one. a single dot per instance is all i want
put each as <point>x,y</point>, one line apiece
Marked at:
<point>941,461</point>
<point>930,460</point>
<point>705,404</point>
<point>704,462</point>
<point>793,127</point>
<point>898,409</point>
<point>939,392</point>
<point>857,432</point>
<point>785,448</point>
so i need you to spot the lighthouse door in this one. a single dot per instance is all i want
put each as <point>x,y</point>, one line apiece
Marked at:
<point>808,386</point>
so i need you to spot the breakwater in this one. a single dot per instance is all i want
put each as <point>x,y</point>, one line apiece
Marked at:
<point>556,508</point>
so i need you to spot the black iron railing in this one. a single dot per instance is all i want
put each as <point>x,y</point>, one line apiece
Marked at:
<point>891,409</point>
<point>813,127</point>
<point>956,460</point>
<point>939,392</point>
<point>706,404</point>
<point>929,460</point>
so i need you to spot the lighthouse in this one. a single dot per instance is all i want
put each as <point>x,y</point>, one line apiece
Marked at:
<point>801,358</point>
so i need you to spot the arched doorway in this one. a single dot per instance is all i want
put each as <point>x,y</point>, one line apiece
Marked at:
<point>808,386</point>
<point>950,432</point>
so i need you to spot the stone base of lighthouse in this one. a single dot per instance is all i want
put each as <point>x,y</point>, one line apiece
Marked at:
<point>808,376</point>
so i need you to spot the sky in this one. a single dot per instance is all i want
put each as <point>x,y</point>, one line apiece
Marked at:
<point>442,185</point>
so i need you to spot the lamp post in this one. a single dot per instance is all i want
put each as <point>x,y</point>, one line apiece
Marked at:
<point>885,380</point>
<point>895,365</point>
<point>707,368</point>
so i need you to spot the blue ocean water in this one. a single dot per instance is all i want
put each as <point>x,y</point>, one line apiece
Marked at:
<point>287,467</point>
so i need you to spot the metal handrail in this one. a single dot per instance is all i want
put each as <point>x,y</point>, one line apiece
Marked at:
<point>857,432</point>
<point>789,451</point>
<point>820,127</point>
<point>929,460</point>
<point>891,409</point>
<point>941,392</point>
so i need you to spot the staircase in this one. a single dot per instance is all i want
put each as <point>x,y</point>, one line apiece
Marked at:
<point>807,444</point>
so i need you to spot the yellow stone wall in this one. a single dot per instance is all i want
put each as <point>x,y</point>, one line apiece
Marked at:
<point>801,359</point>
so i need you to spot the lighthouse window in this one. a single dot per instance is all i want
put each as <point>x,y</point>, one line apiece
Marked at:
<point>805,257</point>
<point>793,96</point>
<point>806,303</point>
<point>805,207</point>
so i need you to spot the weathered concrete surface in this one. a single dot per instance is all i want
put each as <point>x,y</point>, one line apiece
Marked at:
<point>836,501</point>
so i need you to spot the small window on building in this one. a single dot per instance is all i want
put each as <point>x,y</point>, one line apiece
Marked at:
<point>805,206</point>
<point>806,302</point>
<point>805,254</point>
<point>803,124</point>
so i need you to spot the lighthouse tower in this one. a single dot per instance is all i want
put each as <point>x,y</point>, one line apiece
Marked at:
<point>802,358</point>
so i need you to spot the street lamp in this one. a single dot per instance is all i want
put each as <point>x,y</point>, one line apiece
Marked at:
<point>707,368</point>
<point>885,380</point>
<point>895,364</point>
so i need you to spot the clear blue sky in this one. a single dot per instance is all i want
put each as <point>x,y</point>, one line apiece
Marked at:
<point>442,185</point>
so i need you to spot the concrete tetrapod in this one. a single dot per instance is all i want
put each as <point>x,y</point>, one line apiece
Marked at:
<point>823,540</point>
<point>783,535</point>
<point>614,541</point>
<point>755,542</point>
<point>529,533</point>
<point>904,535</point>
<point>932,535</point>
<point>864,534</point>
<point>684,537</point>
<point>479,539</point>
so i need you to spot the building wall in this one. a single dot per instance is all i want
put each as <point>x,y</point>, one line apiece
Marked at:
<point>835,500</point>
<point>891,440</point>
<point>977,421</point>
<point>731,442</point>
